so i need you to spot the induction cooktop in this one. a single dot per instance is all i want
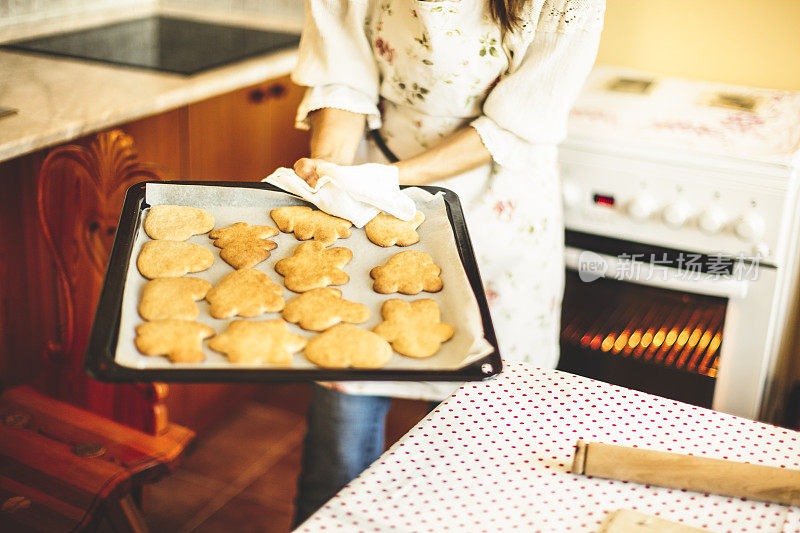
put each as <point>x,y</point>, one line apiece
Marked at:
<point>161,43</point>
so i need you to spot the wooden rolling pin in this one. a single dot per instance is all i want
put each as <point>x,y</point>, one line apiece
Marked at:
<point>677,471</point>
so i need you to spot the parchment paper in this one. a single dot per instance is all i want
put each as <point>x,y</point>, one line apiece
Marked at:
<point>236,204</point>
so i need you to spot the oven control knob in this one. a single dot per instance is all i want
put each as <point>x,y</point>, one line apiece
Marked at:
<point>749,227</point>
<point>676,214</point>
<point>571,194</point>
<point>712,220</point>
<point>641,207</point>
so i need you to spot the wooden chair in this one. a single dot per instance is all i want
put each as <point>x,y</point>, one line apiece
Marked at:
<point>73,450</point>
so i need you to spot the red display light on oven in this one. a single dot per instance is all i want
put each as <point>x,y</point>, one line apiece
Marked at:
<point>604,200</point>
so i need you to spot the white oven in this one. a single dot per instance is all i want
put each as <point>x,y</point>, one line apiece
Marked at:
<point>681,209</point>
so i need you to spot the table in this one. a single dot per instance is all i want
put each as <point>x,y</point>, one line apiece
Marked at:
<point>495,456</point>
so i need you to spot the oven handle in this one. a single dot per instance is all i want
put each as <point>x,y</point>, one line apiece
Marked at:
<point>594,265</point>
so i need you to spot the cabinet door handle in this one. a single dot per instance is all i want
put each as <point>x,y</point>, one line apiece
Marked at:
<point>257,96</point>
<point>260,95</point>
<point>277,90</point>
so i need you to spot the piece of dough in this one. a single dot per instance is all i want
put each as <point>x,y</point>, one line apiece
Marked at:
<point>172,298</point>
<point>386,230</point>
<point>180,340</point>
<point>246,293</point>
<point>345,345</point>
<point>414,329</point>
<point>409,272</point>
<point>177,222</point>
<point>258,342</point>
<point>319,309</point>
<point>172,259</point>
<point>307,223</point>
<point>313,266</point>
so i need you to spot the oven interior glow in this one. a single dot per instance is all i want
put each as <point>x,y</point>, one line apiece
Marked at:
<point>604,200</point>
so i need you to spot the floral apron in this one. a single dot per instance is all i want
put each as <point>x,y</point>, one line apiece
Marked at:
<point>438,61</point>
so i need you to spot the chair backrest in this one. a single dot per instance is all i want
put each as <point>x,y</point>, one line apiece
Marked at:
<point>80,195</point>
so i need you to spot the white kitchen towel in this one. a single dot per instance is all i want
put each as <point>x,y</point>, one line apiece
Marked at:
<point>356,193</point>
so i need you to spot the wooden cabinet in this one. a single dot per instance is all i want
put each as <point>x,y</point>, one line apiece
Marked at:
<point>59,210</point>
<point>246,134</point>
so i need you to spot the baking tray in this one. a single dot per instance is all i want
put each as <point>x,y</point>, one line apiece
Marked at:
<point>100,360</point>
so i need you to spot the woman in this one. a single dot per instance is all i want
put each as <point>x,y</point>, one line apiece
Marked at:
<point>472,95</point>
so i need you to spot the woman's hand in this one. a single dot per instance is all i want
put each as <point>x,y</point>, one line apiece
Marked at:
<point>335,135</point>
<point>306,168</point>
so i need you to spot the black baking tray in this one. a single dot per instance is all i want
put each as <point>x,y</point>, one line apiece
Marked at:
<point>100,362</point>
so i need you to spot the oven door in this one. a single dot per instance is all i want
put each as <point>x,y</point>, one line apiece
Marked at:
<point>657,320</point>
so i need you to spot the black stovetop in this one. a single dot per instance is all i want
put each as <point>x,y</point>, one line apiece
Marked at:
<point>161,43</point>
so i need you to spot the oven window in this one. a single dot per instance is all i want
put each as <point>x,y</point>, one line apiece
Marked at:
<point>645,338</point>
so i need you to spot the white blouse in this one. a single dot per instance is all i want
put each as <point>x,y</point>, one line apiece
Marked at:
<point>516,89</point>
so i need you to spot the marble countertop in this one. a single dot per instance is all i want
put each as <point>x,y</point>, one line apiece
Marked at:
<point>61,99</point>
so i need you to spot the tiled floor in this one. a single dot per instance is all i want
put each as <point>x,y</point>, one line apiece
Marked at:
<point>241,475</point>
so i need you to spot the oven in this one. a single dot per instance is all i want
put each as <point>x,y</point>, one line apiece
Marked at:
<point>682,264</point>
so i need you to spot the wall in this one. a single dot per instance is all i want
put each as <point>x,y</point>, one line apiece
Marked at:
<point>16,12</point>
<point>748,42</point>
<point>277,8</point>
<point>24,11</point>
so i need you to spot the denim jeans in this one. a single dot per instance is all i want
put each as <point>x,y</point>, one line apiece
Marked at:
<point>345,435</point>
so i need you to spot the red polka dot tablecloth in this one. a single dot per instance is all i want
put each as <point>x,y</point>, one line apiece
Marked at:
<point>495,456</point>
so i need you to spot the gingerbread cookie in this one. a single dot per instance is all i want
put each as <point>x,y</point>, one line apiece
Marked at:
<point>177,222</point>
<point>386,230</point>
<point>258,342</point>
<point>172,298</point>
<point>345,345</point>
<point>172,259</point>
<point>408,272</point>
<point>245,292</point>
<point>319,309</point>
<point>243,245</point>
<point>307,223</point>
<point>180,340</point>
<point>413,328</point>
<point>313,266</point>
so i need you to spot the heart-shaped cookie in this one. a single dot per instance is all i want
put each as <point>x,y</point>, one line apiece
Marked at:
<point>177,222</point>
<point>172,259</point>
<point>345,345</point>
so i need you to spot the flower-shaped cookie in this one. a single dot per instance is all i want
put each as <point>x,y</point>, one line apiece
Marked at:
<point>243,245</point>
<point>386,230</point>
<point>345,345</point>
<point>409,272</point>
<point>245,292</point>
<point>258,342</point>
<point>307,223</point>
<point>413,328</point>
<point>177,222</point>
<point>172,298</point>
<point>313,266</point>
<point>319,309</point>
<point>180,340</point>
